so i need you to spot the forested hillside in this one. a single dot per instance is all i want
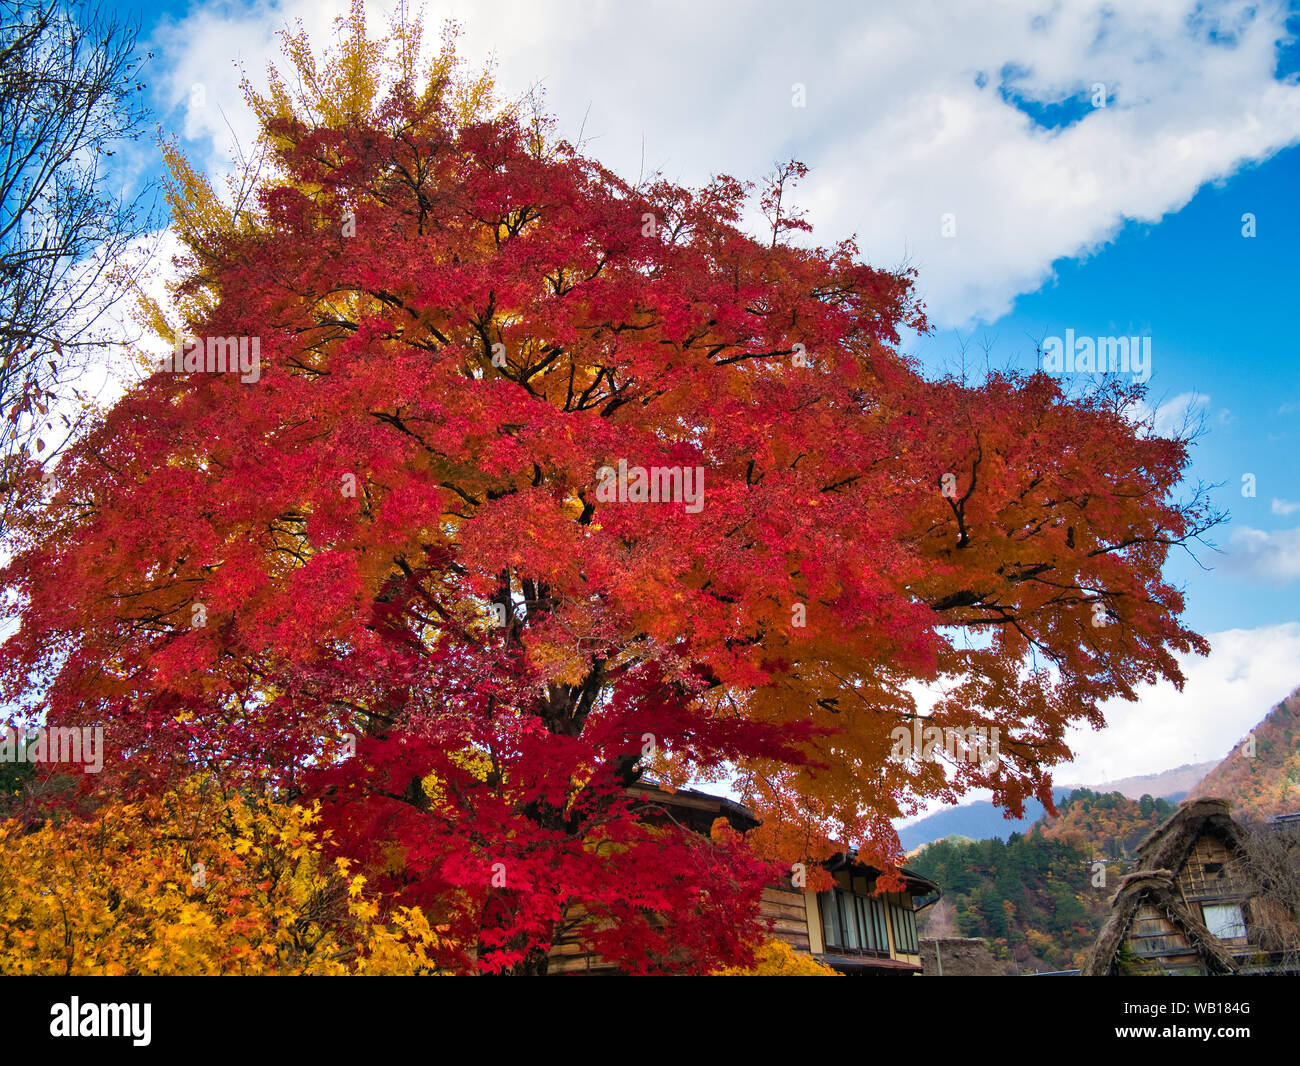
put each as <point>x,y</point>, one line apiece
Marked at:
<point>1262,779</point>
<point>1105,826</point>
<point>1039,899</point>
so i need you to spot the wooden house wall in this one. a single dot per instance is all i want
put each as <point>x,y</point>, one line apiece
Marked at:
<point>1155,944</point>
<point>1207,873</point>
<point>570,955</point>
<point>788,908</point>
<point>785,906</point>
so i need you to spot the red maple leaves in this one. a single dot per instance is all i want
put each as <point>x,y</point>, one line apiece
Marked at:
<point>258,578</point>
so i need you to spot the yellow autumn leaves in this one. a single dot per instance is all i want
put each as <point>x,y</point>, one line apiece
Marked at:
<point>776,958</point>
<point>194,882</point>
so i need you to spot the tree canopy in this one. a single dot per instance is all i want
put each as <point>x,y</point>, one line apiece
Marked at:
<point>382,571</point>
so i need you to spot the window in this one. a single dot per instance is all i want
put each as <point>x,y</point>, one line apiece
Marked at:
<point>904,929</point>
<point>878,924</point>
<point>849,921</point>
<point>1224,920</point>
<point>854,922</point>
<point>830,918</point>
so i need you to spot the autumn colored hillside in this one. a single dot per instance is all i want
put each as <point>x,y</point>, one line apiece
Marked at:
<point>1028,897</point>
<point>1033,897</point>
<point>1108,825</point>
<point>1261,775</point>
<point>1039,899</point>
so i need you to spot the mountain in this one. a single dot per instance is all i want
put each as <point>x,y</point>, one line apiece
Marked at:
<point>1171,785</point>
<point>1261,775</point>
<point>1105,825</point>
<point>978,821</point>
<point>983,821</point>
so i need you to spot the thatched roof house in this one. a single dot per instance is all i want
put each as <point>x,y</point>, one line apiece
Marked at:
<point>1151,929</point>
<point>1167,846</point>
<point>1187,910</point>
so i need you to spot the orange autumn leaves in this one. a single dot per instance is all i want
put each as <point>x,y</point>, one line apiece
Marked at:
<point>459,325</point>
<point>193,882</point>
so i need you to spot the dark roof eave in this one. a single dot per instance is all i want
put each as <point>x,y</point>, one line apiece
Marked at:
<point>917,884</point>
<point>864,962</point>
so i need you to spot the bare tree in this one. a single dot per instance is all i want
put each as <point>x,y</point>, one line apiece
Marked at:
<point>69,99</point>
<point>1270,866</point>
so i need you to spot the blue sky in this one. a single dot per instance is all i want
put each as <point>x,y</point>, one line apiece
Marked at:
<point>1222,313</point>
<point>1124,220</point>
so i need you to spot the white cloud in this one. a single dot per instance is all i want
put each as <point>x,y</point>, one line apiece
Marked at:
<point>1227,692</point>
<point>1174,417</point>
<point>896,128</point>
<point>1284,507</point>
<point>1266,556</point>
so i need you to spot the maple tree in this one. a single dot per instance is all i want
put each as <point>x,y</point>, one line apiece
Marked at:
<point>378,573</point>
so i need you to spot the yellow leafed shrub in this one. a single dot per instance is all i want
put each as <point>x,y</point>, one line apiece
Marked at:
<point>776,958</point>
<point>194,882</point>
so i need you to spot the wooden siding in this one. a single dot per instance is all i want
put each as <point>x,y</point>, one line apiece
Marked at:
<point>1206,874</point>
<point>786,906</point>
<point>569,954</point>
<point>1156,945</point>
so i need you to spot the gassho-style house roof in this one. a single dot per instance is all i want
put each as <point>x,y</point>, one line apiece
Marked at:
<point>1186,910</point>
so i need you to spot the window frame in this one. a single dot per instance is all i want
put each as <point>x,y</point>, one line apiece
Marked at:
<point>1239,924</point>
<point>870,921</point>
<point>906,940</point>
